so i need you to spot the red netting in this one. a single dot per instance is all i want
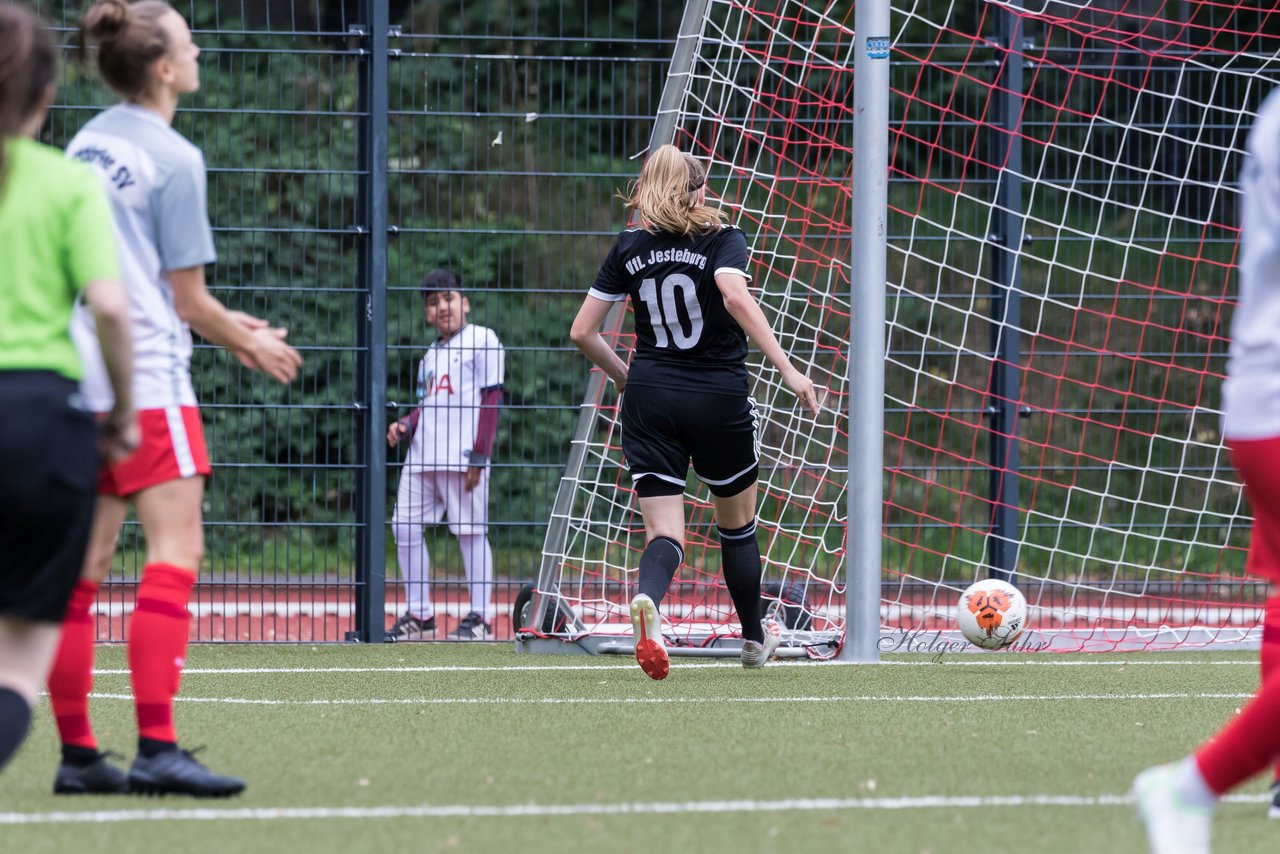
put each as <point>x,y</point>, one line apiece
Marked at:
<point>1109,140</point>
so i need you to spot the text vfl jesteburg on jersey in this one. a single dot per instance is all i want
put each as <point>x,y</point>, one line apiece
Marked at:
<point>684,335</point>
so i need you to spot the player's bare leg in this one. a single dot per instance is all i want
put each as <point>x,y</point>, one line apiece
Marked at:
<point>740,557</point>
<point>83,768</point>
<point>173,522</point>
<point>663,554</point>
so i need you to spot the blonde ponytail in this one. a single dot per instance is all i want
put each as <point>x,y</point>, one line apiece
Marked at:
<point>666,194</point>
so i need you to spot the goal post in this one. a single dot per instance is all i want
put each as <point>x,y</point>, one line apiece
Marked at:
<point>1050,319</point>
<point>866,332</point>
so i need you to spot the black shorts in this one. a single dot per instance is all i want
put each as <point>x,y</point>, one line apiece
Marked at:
<point>49,460</point>
<point>663,429</point>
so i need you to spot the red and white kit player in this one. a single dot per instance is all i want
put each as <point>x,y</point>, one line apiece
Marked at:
<point>1177,801</point>
<point>156,183</point>
<point>446,473</point>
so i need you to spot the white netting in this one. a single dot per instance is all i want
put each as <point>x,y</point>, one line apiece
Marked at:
<point>1120,146</point>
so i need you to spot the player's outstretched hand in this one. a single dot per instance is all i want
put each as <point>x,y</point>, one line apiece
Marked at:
<point>270,354</point>
<point>120,435</point>
<point>397,431</point>
<point>802,387</point>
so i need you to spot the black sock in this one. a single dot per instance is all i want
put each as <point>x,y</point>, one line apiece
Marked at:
<point>658,565</point>
<point>15,719</point>
<point>81,757</point>
<point>150,747</point>
<point>740,556</point>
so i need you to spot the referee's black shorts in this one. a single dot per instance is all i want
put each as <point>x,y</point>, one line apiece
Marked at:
<point>48,483</point>
<point>663,429</point>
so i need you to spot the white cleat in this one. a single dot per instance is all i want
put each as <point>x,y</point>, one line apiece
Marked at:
<point>647,627</point>
<point>754,655</point>
<point>1173,827</point>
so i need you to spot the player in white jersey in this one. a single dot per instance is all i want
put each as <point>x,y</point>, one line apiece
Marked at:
<point>446,473</point>
<point>1251,392</point>
<point>1177,801</point>
<point>155,180</point>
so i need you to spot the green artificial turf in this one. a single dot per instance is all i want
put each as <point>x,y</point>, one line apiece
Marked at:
<point>655,760</point>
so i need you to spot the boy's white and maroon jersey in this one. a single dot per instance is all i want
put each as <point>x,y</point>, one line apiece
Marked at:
<point>451,377</point>
<point>685,337</point>
<point>155,180</point>
<point>1251,393</point>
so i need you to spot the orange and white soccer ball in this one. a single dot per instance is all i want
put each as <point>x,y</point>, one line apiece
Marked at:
<point>991,613</point>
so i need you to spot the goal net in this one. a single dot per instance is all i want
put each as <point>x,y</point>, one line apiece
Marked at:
<point>1061,241</point>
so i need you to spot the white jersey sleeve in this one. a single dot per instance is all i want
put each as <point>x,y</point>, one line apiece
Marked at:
<point>184,237</point>
<point>490,363</point>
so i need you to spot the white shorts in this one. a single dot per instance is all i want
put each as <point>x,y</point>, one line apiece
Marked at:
<point>427,496</point>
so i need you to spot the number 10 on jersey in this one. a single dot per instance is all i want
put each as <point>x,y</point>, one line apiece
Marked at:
<point>660,303</point>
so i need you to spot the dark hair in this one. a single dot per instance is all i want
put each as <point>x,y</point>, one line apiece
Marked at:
<point>128,38</point>
<point>440,279</point>
<point>28,65</point>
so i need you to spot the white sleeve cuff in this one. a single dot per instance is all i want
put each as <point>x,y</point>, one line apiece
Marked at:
<point>599,294</point>
<point>743,273</point>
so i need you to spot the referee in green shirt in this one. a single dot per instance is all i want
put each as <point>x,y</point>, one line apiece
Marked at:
<point>56,245</point>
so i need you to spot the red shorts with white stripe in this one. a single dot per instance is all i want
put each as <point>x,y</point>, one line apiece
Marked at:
<point>1258,461</point>
<point>172,449</point>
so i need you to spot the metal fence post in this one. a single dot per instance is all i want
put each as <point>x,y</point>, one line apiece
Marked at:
<point>1005,391</point>
<point>371,399</point>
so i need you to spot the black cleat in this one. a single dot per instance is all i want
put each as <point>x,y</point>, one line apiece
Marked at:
<point>1273,811</point>
<point>98,777</point>
<point>177,772</point>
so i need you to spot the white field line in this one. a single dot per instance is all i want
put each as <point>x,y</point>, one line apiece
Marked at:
<point>731,664</point>
<point>681,701</point>
<point>526,810</point>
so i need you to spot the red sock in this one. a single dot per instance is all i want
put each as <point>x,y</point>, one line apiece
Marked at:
<point>1271,648</point>
<point>158,646</point>
<point>71,678</point>
<point>1246,745</point>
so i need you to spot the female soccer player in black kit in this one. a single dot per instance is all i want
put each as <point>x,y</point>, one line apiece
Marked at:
<point>687,388</point>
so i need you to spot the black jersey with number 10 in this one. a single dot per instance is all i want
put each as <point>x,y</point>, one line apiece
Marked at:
<point>685,338</point>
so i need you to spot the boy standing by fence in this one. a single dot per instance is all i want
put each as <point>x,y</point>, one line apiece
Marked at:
<point>446,473</point>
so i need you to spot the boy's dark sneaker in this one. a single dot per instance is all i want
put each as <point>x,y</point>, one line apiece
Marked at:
<point>1273,811</point>
<point>177,772</point>
<point>473,627</point>
<point>409,627</point>
<point>98,777</point>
